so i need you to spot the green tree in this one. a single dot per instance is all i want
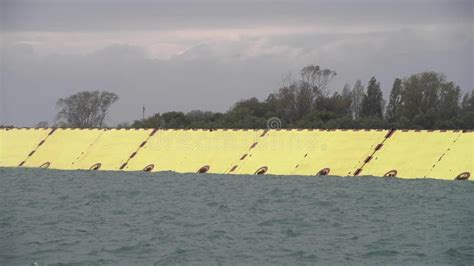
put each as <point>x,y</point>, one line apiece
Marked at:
<point>466,114</point>
<point>372,103</point>
<point>42,124</point>
<point>85,109</point>
<point>468,101</point>
<point>358,96</point>
<point>285,103</point>
<point>345,102</point>
<point>395,101</point>
<point>176,120</point>
<point>448,103</point>
<point>249,113</point>
<point>297,98</point>
<point>200,119</point>
<point>155,121</point>
<point>317,79</point>
<point>421,93</point>
<point>429,101</point>
<point>421,101</point>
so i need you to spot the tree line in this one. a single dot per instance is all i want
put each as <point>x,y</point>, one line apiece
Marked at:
<point>424,100</point>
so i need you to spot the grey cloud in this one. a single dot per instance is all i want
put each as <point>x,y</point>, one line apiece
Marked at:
<point>108,15</point>
<point>206,78</point>
<point>213,73</point>
<point>33,83</point>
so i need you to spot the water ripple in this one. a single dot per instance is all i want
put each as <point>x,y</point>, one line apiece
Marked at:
<point>109,218</point>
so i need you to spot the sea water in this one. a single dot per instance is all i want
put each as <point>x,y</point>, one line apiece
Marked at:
<point>129,218</point>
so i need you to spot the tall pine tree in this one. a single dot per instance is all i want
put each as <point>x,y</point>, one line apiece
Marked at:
<point>358,96</point>
<point>395,101</point>
<point>372,103</point>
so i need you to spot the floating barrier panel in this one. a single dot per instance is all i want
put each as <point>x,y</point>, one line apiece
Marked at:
<point>439,154</point>
<point>410,153</point>
<point>341,152</point>
<point>17,143</point>
<point>190,151</point>
<point>112,149</point>
<point>310,152</point>
<point>64,148</point>
<point>457,161</point>
<point>277,151</point>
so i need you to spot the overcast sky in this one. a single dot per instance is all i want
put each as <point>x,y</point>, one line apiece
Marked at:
<point>186,54</point>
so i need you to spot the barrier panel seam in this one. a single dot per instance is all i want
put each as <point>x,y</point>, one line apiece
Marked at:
<point>247,154</point>
<point>37,147</point>
<point>376,149</point>
<point>88,150</point>
<point>442,155</point>
<point>143,144</point>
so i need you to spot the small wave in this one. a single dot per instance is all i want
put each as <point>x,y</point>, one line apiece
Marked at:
<point>381,253</point>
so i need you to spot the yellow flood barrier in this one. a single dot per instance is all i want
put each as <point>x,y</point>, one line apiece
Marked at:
<point>190,151</point>
<point>402,153</point>
<point>458,161</point>
<point>311,152</point>
<point>113,149</point>
<point>277,151</point>
<point>63,148</point>
<point>342,152</point>
<point>410,153</point>
<point>17,143</point>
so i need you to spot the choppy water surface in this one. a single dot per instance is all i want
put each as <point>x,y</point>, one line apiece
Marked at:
<point>51,217</point>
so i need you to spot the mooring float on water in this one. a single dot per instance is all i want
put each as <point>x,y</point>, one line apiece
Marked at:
<point>438,154</point>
